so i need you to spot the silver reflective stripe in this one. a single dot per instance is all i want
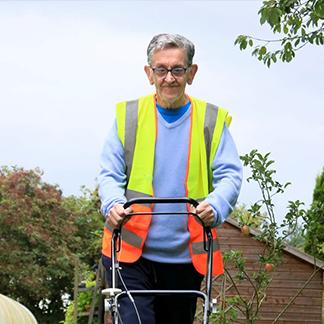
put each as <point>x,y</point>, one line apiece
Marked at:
<point>108,227</point>
<point>130,194</point>
<point>128,236</point>
<point>198,247</point>
<point>130,133</point>
<point>131,238</point>
<point>209,126</point>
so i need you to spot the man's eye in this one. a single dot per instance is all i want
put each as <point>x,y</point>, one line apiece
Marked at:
<point>178,70</point>
<point>161,70</point>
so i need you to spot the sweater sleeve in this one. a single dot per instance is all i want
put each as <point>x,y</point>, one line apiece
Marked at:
<point>227,178</point>
<point>112,177</point>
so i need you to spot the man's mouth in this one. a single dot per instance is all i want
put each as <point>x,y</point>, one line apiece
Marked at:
<point>171,87</point>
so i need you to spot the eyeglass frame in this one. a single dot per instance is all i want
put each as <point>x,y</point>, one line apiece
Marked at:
<point>170,70</point>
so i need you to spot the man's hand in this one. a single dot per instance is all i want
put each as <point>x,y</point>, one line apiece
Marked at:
<point>117,215</point>
<point>206,214</point>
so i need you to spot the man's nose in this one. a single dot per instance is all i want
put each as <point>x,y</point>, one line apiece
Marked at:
<point>169,77</point>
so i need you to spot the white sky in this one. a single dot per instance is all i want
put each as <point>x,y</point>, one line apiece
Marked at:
<point>64,65</point>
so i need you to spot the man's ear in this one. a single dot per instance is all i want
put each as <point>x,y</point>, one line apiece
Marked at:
<point>191,73</point>
<point>149,74</point>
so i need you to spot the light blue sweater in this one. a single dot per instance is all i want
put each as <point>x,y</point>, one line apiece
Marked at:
<point>168,236</point>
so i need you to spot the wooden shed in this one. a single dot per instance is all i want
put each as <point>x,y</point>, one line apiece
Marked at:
<point>299,276</point>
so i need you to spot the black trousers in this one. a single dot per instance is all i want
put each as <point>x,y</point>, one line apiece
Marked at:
<point>146,275</point>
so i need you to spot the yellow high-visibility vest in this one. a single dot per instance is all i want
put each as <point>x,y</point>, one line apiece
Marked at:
<point>137,131</point>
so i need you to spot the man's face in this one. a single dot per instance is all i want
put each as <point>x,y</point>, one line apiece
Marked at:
<point>170,89</point>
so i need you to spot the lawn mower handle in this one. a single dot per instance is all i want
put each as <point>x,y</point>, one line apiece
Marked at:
<point>154,200</point>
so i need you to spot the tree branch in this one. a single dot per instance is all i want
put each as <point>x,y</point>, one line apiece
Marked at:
<point>284,38</point>
<point>235,287</point>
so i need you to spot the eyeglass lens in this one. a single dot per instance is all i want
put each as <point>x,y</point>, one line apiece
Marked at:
<point>175,71</point>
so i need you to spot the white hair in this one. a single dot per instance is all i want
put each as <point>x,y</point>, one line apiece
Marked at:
<point>164,41</point>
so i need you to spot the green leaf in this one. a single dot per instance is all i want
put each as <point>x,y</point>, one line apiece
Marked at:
<point>288,46</point>
<point>262,50</point>
<point>319,9</point>
<point>274,16</point>
<point>264,12</point>
<point>242,41</point>
<point>312,38</point>
<point>255,52</point>
<point>322,39</point>
<point>274,58</point>
<point>243,44</point>
<point>296,42</point>
<point>277,28</point>
<point>238,39</point>
<point>288,56</point>
<point>297,25</point>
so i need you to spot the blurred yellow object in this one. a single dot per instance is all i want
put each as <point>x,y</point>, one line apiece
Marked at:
<point>12,312</point>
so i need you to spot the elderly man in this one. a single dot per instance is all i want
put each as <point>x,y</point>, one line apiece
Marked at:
<point>167,145</point>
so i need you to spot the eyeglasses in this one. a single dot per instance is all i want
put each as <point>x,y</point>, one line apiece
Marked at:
<point>177,71</point>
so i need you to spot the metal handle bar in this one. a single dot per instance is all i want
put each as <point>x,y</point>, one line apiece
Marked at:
<point>154,200</point>
<point>166,213</point>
